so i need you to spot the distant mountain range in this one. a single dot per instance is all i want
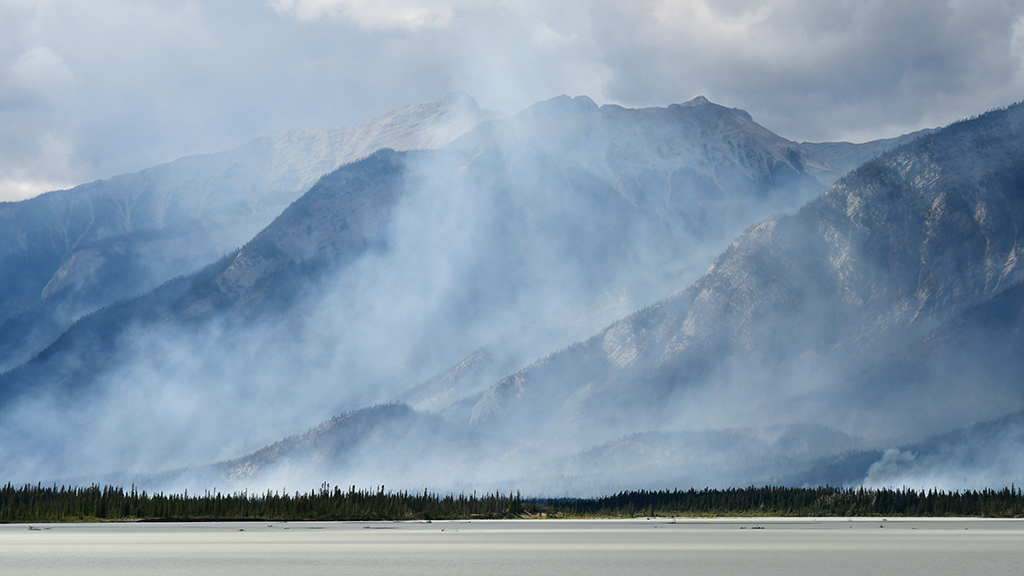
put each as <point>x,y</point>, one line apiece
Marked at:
<point>480,296</point>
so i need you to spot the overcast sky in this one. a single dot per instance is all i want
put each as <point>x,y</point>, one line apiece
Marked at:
<point>92,89</point>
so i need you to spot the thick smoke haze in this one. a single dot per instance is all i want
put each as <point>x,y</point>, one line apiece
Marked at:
<point>554,295</point>
<point>487,286</point>
<point>90,91</point>
<point>522,237</point>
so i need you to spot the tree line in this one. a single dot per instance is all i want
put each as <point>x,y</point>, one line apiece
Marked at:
<point>40,503</point>
<point>94,503</point>
<point>824,501</point>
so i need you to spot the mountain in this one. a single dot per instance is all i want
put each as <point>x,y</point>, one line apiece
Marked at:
<point>836,159</point>
<point>709,129</point>
<point>68,253</point>
<point>569,178</point>
<point>517,238</point>
<point>904,266</point>
<point>870,329</point>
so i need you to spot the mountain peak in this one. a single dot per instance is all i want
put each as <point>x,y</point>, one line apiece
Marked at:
<point>563,103</point>
<point>702,106</point>
<point>698,101</point>
<point>460,99</point>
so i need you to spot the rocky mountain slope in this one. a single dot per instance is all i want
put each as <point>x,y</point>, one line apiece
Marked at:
<point>67,253</point>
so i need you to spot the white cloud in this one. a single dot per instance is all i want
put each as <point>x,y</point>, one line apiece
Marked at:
<point>39,165</point>
<point>42,72</point>
<point>373,14</point>
<point>15,190</point>
<point>699,18</point>
<point>544,36</point>
<point>1017,44</point>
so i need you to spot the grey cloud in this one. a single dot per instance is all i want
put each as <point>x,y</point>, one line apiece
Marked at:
<point>146,83</point>
<point>819,71</point>
<point>166,79</point>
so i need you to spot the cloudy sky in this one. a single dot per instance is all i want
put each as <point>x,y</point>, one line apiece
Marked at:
<point>92,89</point>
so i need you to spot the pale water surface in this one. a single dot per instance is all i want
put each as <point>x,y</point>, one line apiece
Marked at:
<point>722,547</point>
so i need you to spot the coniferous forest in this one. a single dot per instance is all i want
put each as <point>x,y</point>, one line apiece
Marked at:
<point>95,504</point>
